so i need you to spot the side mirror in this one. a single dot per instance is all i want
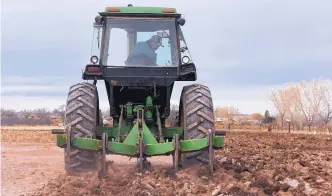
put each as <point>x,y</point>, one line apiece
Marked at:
<point>99,19</point>
<point>163,34</point>
<point>181,21</point>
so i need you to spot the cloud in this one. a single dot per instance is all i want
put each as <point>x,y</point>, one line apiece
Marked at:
<point>239,47</point>
<point>19,80</point>
<point>267,75</point>
<point>32,102</point>
<point>37,86</point>
<point>33,90</point>
<point>33,96</point>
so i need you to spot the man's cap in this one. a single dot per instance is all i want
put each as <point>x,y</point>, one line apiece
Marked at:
<point>157,39</point>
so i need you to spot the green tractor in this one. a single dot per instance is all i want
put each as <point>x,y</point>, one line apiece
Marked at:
<point>138,52</point>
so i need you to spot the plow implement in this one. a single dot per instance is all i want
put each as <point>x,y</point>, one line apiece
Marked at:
<point>140,142</point>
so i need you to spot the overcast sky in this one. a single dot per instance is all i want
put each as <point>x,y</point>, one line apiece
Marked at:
<point>242,49</point>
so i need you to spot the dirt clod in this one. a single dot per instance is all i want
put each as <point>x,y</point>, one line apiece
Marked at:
<point>250,164</point>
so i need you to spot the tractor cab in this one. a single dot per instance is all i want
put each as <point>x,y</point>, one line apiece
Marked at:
<point>139,37</point>
<point>141,51</point>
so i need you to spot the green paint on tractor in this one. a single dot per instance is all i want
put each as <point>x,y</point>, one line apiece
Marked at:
<point>152,147</point>
<point>139,95</point>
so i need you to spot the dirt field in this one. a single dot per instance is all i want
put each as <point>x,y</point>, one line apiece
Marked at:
<point>251,164</point>
<point>29,128</point>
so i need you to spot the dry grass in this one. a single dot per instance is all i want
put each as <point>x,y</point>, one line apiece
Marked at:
<point>27,128</point>
<point>28,136</point>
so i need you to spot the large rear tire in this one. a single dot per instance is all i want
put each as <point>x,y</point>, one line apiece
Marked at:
<point>82,114</point>
<point>196,117</point>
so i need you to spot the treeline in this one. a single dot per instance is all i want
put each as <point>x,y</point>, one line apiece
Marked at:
<point>42,116</point>
<point>229,117</point>
<point>300,105</point>
<point>304,104</point>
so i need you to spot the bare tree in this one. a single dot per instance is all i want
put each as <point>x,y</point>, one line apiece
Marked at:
<point>227,112</point>
<point>41,113</point>
<point>60,111</point>
<point>325,112</point>
<point>220,112</point>
<point>106,112</point>
<point>292,112</point>
<point>8,113</point>
<point>173,114</point>
<point>279,99</point>
<point>232,111</point>
<point>256,116</point>
<point>309,97</point>
<point>25,113</point>
<point>3,112</point>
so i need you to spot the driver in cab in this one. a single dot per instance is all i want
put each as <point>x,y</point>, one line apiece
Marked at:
<point>144,52</point>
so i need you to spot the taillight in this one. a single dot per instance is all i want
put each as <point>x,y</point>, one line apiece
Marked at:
<point>93,69</point>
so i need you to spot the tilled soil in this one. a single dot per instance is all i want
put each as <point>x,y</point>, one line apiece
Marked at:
<point>250,164</point>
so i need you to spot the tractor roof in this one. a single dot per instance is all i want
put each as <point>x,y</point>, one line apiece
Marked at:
<point>131,9</point>
<point>146,11</point>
